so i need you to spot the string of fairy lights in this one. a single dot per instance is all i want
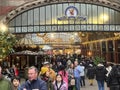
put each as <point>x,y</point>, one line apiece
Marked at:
<point>102,40</point>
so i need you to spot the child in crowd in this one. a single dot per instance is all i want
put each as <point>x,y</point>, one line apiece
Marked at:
<point>59,84</point>
<point>16,83</point>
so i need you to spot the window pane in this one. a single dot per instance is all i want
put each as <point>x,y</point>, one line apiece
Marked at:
<point>60,13</point>
<point>36,16</point>
<point>105,16</point>
<point>18,20</point>
<point>89,14</point>
<point>42,16</point>
<point>48,15</point>
<point>100,12</point>
<point>30,17</point>
<point>24,19</point>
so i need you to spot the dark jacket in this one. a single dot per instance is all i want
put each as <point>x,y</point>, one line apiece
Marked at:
<point>91,72</point>
<point>100,73</point>
<point>35,84</point>
<point>113,80</point>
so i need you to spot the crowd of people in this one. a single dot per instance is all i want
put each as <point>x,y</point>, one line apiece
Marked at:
<point>63,74</point>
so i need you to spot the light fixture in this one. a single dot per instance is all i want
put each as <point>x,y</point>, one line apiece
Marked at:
<point>3,28</point>
<point>104,17</point>
<point>52,35</point>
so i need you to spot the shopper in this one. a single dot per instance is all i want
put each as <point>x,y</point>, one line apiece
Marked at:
<point>100,74</point>
<point>77,71</point>
<point>114,78</point>
<point>59,84</point>
<point>16,83</point>
<point>4,83</point>
<point>91,74</point>
<point>33,81</point>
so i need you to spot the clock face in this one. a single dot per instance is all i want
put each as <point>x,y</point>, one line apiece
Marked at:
<point>71,11</point>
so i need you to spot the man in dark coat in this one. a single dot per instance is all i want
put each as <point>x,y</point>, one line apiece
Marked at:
<point>91,73</point>
<point>100,74</point>
<point>33,81</point>
<point>113,81</point>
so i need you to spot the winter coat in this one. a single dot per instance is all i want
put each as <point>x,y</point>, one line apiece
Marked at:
<point>5,84</point>
<point>70,75</point>
<point>49,82</point>
<point>35,84</point>
<point>62,87</point>
<point>100,73</point>
<point>65,77</point>
<point>113,80</point>
<point>91,73</point>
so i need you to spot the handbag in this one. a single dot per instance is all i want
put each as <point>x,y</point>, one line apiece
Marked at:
<point>72,81</point>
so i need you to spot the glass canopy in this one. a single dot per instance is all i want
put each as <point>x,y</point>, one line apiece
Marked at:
<point>59,18</point>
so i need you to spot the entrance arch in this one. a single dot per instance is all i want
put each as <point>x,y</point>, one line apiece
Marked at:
<point>44,16</point>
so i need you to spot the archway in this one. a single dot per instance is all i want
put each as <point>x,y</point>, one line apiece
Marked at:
<point>57,16</point>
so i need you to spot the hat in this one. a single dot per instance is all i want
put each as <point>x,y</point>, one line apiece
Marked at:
<point>44,70</point>
<point>46,62</point>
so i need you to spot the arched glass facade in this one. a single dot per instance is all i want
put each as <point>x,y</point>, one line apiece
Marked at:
<point>55,18</point>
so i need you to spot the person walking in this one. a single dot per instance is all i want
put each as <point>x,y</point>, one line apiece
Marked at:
<point>46,77</point>
<point>4,83</point>
<point>46,66</point>
<point>113,81</point>
<point>64,74</point>
<point>77,71</point>
<point>33,81</point>
<point>100,74</point>
<point>70,76</point>
<point>91,74</point>
<point>82,75</point>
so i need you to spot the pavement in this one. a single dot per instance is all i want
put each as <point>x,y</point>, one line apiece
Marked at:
<point>94,87</point>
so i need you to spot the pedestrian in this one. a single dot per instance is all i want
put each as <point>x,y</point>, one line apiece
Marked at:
<point>34,82</point>
<point>26,72</point>
<point>46,65</point>
<point>70,76</point>
<point>64,74</point>
<point>100,74</point>
<point>91,74</point>
<point>59,84</point>
<point>82,75</point>
<point>108,68</point>
<point>77,71</point>
<point>48,80</point>
<point>4,83</point>
<point>113,81</point>
<point>16,83</point>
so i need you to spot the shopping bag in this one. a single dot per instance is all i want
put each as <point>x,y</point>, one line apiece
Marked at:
<point>72,81</point>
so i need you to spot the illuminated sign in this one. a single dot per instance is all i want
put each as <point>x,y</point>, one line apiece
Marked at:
<point>71,13</point>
